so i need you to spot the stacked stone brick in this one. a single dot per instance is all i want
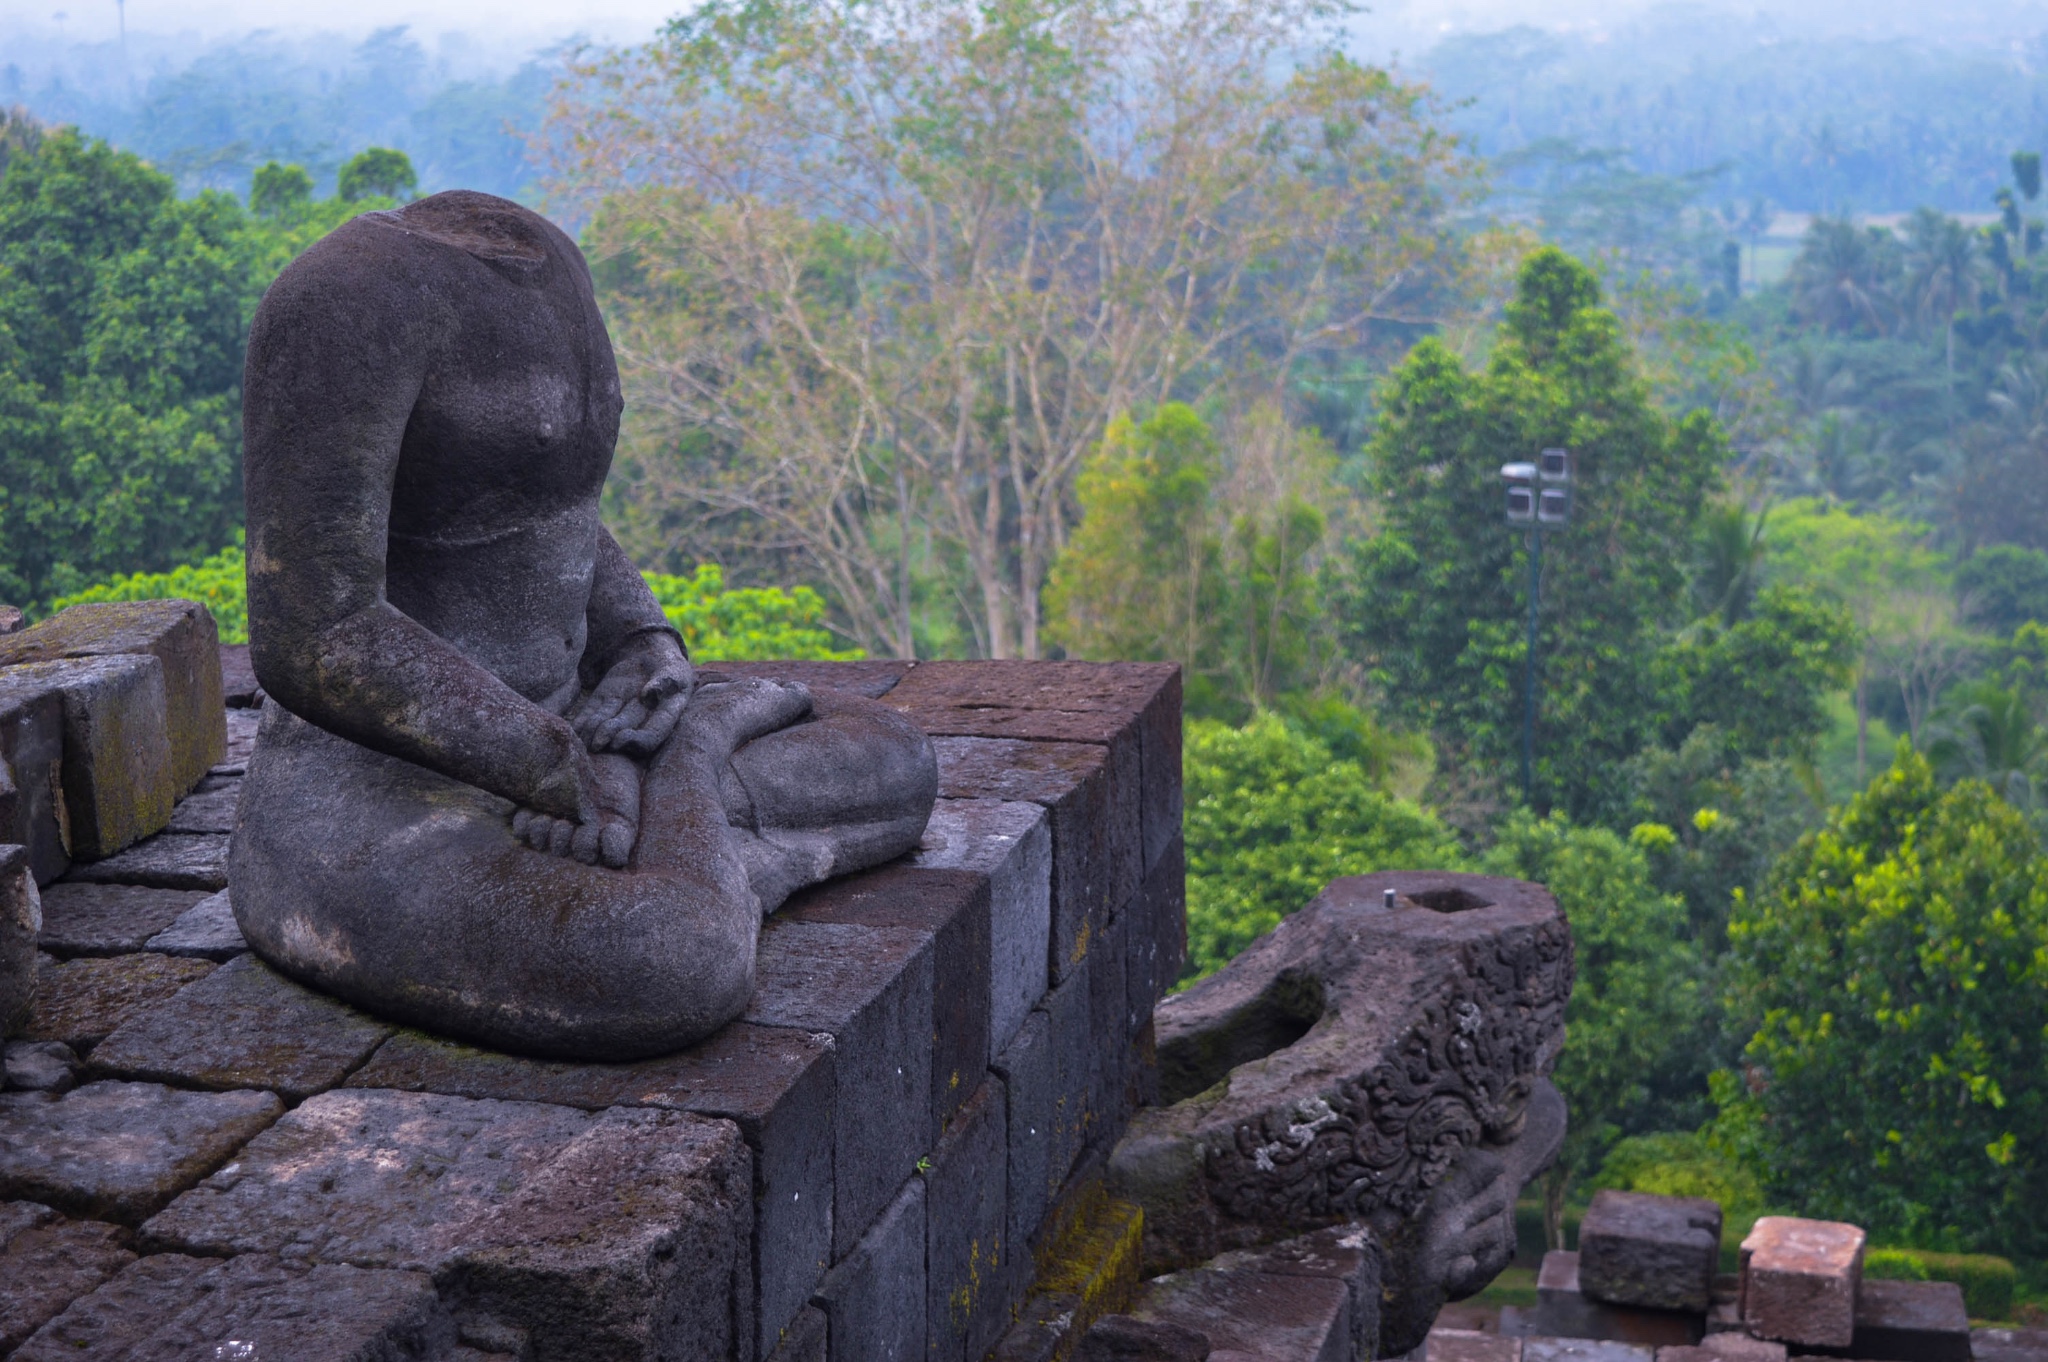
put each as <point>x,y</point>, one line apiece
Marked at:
<point>196,1152</point>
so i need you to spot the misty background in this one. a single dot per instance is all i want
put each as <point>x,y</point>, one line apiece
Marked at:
<point>1605,111</point>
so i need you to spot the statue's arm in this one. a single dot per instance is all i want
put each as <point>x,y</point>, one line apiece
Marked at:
<point>337,356</point>
<point>622,610</point>
<point>634,662</point>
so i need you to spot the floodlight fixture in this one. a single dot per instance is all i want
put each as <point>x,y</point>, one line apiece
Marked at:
<point>1556,465</point>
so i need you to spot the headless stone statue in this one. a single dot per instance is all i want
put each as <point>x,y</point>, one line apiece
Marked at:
<point>490,797</point>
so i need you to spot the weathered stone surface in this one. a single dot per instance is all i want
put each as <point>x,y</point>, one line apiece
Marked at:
<point>239,688</point>
<point>776,1084</point>
<point>870,988</point>
<point>108,919</point>
<point>1909,1322</point>
<point>2009,1345</point>
<point>80,1001</point>
<point>1111,1091</point>
<point>12,619</point>
<point>44,1269</point>
<point>1345,1254</point>
<point>205,931</point>
<point>1469,1345</point>
<point>117,773</point>
<point>873,677</point>
<point>254,1308</point>
<point>1156,946</point>
<point>32,809</point>
<point>970,1264</point>
<point>40,1066</point>
<point>1125,1338</point>
<point>1799,1280</point>
<point>179,634</point>
<point>805,1340</point>
<point>1095,838</point>
<point>1072,1032</point>
<point>210,808</point>
<point>1562,1310</point>
<point>952,906</point>
<point>623,1234</point>
<point>1266,1315</point>
<point>1659,1252</point>
<point>21,923</point>
<point>1026,1068</point>
<point>16,1216</point>
<point>1736,1346</point>
<point>242,726</point>
<point>167,861</point>
<point>1011,843</point>
<point>119,1151</point>
<point>1419,1034</point>
<point>1585,1350</point>
<point>243,1026</point>
<point>874,1300</point>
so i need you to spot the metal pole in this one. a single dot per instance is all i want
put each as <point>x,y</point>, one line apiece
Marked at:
<point>1529,669</point>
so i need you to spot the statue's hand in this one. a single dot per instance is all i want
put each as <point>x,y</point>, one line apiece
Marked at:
<point>1470,1235</point>
<point>635,707</point>
<point>608,821</point>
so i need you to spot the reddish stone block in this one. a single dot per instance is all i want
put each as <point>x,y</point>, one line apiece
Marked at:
<point>1469,1345</point>
<point>1799,1280</point>
<point>872,677</point>
<point>1910,1322</point>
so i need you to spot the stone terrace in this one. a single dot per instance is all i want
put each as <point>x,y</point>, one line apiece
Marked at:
<point>858,1169</point>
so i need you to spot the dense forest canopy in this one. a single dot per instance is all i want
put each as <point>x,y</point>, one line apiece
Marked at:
<point>1128,329</point>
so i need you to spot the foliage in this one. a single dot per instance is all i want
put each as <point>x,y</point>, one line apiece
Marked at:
<point>216,582</point>
<point>1271,818</point>
<point>2003,587</point>
<point>883,275</point>
<point>1438,600</point>
<point>1892,979</point>
<point>1682,1163</point>
<point>277,189</point>
<point>1636,1002</point>
<point>1176,559</point>
<point>1763,681</point>
<point>1988,1281</point>
<point>737,624</point>
<point>377,172</point>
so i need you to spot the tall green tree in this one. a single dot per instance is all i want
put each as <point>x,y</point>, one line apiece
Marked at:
<point>1437,602</point>
<point>1892,982</point>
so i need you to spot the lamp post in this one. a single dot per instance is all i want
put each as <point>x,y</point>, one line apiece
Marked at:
<point>1539,494</point>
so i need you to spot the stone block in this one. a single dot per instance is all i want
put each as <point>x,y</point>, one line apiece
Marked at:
<point>1126,1338</point>
<point>2009,1345</point>
<point>210,808</point>
<point>117,774</point>
<point>206,931</point>
<point>1909,1322</point>
<point>44,1269</point>
<point>242,726</point>
<point>870,989</point>
<point>1111,1090</point>
<point>1799,1280</point>
<point>12,619</point>
<point>1095,837</point>
<point>1011,843</point>
<point>80,1001</point>
<point>1563,1311</point>
<point>120,1151</point>
<point>1316,1033</point>
<point>969,1261</point>
<point>16,1216</point>
<point>1071,1030</point>
<point>1585,1350</point>
<point>1736,1346</point>
<point>108,919</point>
<point>1265,1315</point>
<point>40,1066</point>
<point>167,861</point>
<point>1469,1345</point>
<point>1657,1252</point>
<point>252,1307</point>
<point>1030,1088</point>
<point>777,1085</point>
<point>873,677</point>
<point>239,688</point>
<point>952,907</point>
<point>874,1300</point>
<point>32,809</point>
<point>807,1338</point>
<point>620,1234</point>
<point>1345,1254</point>
<point>1156,942</point>
<point>21,924</point>
<point>243,1026</point>
<point>179,634</point>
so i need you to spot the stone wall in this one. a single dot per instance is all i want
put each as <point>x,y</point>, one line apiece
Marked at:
<point>858,1169</point>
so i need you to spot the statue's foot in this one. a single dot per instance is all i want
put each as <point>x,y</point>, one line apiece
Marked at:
<point>724,716</point>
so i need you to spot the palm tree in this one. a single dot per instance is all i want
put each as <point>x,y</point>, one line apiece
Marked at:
<point>1838,278</point>
<point>1986,732</point>
<point>1942,275</point>
<point>1729,569</point>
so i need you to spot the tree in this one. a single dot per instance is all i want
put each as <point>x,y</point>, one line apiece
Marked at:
<point>1985,731</point>
<point>1841,276</point>
<point>378,172</point>
<point>2003,587</point>
<point>277,189</point>
<point>1272,817</point>
<point>1636,999</point>
<point>882,276</point>
<point>1763,681</point>
<point>1437,602</point>
<point>1892,983</point>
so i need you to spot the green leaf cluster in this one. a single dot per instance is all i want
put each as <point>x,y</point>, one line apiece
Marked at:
<point>735,624</point>
<point>218,582</point>
<point>1893,980</point>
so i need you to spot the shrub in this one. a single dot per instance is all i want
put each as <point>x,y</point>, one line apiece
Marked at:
<point>736,624</point>
<point>216,583</point>
<point>1988,1281</point>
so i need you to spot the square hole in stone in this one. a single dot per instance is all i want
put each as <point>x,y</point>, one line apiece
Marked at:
<point>1450,900</point>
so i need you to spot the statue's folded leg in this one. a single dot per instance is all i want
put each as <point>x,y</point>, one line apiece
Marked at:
<point>405,892</point>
